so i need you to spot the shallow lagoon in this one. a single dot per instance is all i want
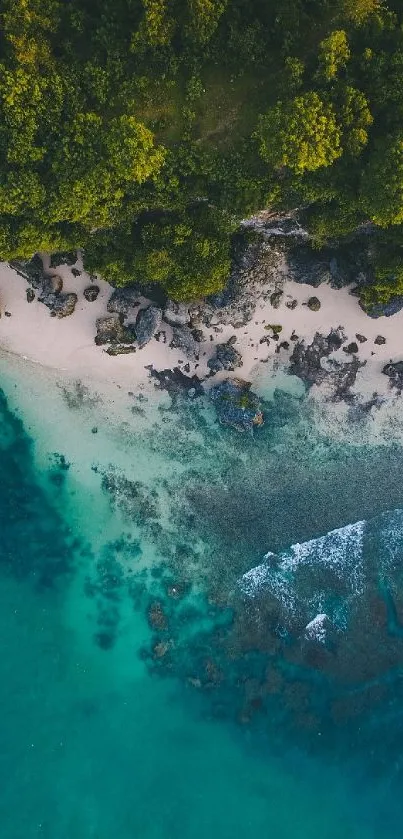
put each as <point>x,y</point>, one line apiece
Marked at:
<point>132,700</point>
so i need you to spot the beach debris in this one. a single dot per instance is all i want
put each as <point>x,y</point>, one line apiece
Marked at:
<point>91,293</point>
<point>236,405</point>
<point>226,357</point>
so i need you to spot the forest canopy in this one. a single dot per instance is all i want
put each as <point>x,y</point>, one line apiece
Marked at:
<point>143,131</point>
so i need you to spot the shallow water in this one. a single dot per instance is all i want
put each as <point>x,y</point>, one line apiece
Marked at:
<point>143,692</point>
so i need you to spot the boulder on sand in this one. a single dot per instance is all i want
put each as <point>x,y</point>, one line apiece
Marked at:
<point>226,357</point>
<point>148,322</point>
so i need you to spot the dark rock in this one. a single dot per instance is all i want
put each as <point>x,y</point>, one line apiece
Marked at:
<point>7,314</point>
<point>284,345</point>
<point>156,617</point>
<point>310,266</point>
<point>76,272</point>
<point>351,348</point>
<point>177,314</point>
<point>91,293</point>
<point>275,328</point>
<point>198,335</point>
<point>379,340</point>
<point>236,405</point>
<point>63,258</point>
<point>183,339</point>
<point>314,304</point>
<point>226,357</point>
<point>111,331</point>
<point>148,322</point>
<point>53,284</point>
<point>176,383</point>
<point>313,365</point>
<point>394,371</point>
<point>379,310</point>
<point>275,299</point>
<point>361,338</point>
<point>124,299</point>
<point>291,304</point>
<point>30,295</point>
<point>60,305</point>
<point>305,361</point>
<point>120,349</point>
<point>31,269</point>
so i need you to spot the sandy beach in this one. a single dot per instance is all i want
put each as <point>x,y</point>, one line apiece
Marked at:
<point>67,344</point>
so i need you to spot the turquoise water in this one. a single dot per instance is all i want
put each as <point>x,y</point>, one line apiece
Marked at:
<point>143,693</point>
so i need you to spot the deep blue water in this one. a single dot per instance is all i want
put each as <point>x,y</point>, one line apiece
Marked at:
<point>143,692</point>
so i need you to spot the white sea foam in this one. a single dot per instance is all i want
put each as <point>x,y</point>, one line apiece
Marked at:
<point>316,629</point>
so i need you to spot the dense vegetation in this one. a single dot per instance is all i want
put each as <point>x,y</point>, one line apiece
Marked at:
<point>143,130</point>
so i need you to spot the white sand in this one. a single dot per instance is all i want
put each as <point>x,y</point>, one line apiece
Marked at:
<point>68,344</point>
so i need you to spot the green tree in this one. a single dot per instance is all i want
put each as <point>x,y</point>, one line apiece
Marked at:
<point>334,53</point>
<point>302,135</point>
<point>382,183</point>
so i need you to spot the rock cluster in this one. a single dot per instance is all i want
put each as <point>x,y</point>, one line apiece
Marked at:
<point>226,357</point>
<point>394,371</point>
<point>110,330</point>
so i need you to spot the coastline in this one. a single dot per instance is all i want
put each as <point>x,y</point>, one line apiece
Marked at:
<point>67,344</point>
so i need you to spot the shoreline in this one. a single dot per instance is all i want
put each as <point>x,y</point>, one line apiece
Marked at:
<point>67,344</point>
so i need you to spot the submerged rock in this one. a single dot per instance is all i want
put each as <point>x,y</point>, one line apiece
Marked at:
<point>236,405</point>
<point>176,383</point>
<point>110,330</point>
<point>226,357</point>
<point>148,322</point>
<point>124,299</point>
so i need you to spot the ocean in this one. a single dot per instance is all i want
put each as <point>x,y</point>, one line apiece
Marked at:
<point>201,631</point>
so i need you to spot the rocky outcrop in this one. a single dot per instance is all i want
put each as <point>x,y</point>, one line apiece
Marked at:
<point>31,270</point>
<point>380,310</point>
<point>226,357</point>
<point>91,293</point>
<point>176,383</point>
<point>60,305</point>
<point>110,330</point>
<point>63,258</point>
<point>124,299</point>
<point>236,405</point>
<point>148,322</point>
<point>183,339</point>
<point>394,371</point>
<point>305,361</point>
<point>314,365</point>
<point>176,314</point>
